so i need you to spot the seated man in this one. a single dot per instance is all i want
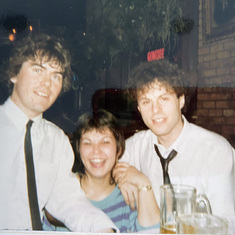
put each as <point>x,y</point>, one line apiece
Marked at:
<point>203,159</point>
<point>39,69</point>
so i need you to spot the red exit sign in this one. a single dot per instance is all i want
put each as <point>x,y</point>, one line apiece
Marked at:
<point>156,55</point>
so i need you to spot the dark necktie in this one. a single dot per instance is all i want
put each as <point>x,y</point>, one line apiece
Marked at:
<point>165,163</point>
<point>32,189</point>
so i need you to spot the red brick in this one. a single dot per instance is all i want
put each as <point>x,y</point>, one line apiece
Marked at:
<point>223,71</point>
<point>205,66</point>
<point>209,57</point>
<point>215,113</point>
<point>203,96</point>
<point>223,54</point>
<point>210,73</point>
<point>210,89</point>
<point>222,96</point>
<point>202,112</point>
<point>199,104</point>
<point>228,129</point>
<point>217,48</point>
<point>208,104</point>
<point>228,62</point>
<point>229,113</point>
<point>218,80</point>
<point>231,121</point>
<point>222,104</point>
<point>214,96</point>
<point>204,51</point>
<point>220,121</point>
<point>214,128</point>
<point>228,79</point>
<point>221,89</point>
<point>216,64</point>
<point>232,104</point>
<point>229,45</point>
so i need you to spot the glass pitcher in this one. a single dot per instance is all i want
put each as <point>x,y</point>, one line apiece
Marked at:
<point>177,200</point>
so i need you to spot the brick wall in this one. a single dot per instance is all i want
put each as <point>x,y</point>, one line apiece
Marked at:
<point>216,79</point>
<point>216,111</point>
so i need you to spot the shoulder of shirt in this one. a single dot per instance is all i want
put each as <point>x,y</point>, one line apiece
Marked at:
<point>139,136</point>
<point>205,133</point>
<point>206,137</point>
<point>52,127</point>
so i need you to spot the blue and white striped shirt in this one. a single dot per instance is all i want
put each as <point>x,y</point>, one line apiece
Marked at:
<point>120,213</point>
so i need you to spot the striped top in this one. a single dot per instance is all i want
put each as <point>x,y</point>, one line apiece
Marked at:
<point>120,213</point>
<point>116,209</point>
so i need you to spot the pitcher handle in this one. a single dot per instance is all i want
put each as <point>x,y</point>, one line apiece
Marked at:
<point>202,198</point>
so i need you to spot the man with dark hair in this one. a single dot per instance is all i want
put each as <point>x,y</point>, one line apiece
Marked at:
<point>201,158</point>
<point>39,70</point>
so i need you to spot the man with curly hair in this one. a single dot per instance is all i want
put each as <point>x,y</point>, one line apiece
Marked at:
<point>202,159</point>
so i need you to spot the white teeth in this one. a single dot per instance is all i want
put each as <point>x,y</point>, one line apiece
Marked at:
<point>97,160</point>
<point>42,94</point>
<point>159,120</point>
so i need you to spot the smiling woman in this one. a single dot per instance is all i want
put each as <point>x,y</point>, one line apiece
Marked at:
<point>99,143</point>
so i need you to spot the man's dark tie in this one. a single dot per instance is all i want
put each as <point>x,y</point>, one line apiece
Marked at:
<point>32,189</point>
<point>165,163</point>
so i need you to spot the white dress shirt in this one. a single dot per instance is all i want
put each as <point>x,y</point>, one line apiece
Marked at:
<point>205,160</point>
<point>58,189</point>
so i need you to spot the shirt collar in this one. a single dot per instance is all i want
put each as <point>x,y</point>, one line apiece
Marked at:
<point>17,116</point>
<point>178,142</point>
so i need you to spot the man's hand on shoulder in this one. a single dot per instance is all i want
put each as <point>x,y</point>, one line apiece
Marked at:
<point>129,191</point>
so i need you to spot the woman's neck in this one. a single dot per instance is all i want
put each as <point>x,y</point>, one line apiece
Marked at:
<point>96,189</point>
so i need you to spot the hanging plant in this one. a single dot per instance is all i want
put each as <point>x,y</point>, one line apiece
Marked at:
<point>132,26</point>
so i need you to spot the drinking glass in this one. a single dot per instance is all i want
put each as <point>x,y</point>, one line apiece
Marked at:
<point>201,223</point>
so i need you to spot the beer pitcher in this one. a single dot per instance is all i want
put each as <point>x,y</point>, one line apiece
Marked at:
<point>177,200</point>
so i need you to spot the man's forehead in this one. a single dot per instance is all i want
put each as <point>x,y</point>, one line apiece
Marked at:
<point>53,63</point>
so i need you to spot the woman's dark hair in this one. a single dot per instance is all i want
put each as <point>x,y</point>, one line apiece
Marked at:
<point>44,47</point>
<point>99,120</point>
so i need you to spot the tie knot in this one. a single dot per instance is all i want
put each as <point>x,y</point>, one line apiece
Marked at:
<point>29,124</point>
<point>171,155</point>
